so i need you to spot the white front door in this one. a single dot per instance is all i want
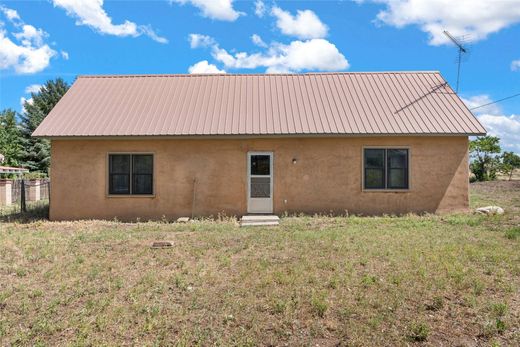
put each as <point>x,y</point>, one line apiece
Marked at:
<point>260,182</point>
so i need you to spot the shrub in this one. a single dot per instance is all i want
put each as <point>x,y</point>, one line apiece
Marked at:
<point>418,332</point>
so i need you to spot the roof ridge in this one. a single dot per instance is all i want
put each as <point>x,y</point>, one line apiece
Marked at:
<point>261,74</point>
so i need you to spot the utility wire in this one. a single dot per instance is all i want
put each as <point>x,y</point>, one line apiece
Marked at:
<point>494,102</point>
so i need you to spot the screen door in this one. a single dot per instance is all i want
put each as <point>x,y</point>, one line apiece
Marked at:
<point>260,182</point>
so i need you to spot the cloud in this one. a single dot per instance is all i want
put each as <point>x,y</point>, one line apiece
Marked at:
<point>11,14</point>
<point>304,25</point>
<point>257,40</point>
<point>496,122</point>
<point>260,8</point>
<point>505,127</point>
<point>33,88</point>
<point>199,40</point>
<point>515,65</point>
<point>315,54</point>
<point>64,55</point>
<point>476,18</point>
<point>203,67</point>
<point>25,51</point>
<point>478,100</point>
<point>25,100</point>
<point>214,9</point>
<point>92,14</point>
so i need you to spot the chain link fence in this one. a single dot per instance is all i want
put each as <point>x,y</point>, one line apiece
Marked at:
<point>23,198</point>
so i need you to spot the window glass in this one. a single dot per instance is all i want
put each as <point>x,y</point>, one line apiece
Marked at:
<point>130,174</point>
<point>374,178</point>
<point>260,165</point>
<point>397,168</point>
<point>385,168</point>
<point>119,174</point>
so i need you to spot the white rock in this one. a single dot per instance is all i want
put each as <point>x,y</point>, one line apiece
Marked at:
<point>183,219</point>
<point>490,210</point>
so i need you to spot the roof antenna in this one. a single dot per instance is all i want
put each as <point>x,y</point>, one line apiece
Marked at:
<point>462,50</point>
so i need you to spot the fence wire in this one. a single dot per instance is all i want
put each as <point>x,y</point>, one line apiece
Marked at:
<point>29,198</point>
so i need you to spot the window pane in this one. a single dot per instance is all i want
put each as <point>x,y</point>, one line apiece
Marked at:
<point>397,158</point>
<point>260,165</point>
<point>143,164</point>
<point>119,184</point>
<point>119,163</point>
<point>374,178</point>
<point>398,178</point>
<point>374,158</point>
<point>142,184</point>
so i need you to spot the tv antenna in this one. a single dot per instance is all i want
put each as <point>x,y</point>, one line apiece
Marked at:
<point>462,50</point>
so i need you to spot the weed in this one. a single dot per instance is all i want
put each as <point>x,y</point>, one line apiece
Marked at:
<point>418,332</point>
<point>319,305</point>
<point>513,233</point>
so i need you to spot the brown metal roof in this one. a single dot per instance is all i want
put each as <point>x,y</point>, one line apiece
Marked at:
<point>379,103</point>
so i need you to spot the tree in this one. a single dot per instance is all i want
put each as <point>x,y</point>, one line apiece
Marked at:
<point>484,152</point>
<point>36,155</point>
<point>10,142</point>
<point>510,162</point>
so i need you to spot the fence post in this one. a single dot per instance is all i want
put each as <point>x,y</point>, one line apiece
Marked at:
<point>5,192</point>
<point>23,207</point>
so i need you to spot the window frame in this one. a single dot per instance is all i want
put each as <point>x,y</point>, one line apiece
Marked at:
<point>388,190</point>
<point>129,195</point>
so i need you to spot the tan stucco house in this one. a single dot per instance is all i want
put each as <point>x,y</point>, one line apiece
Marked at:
<point>164,146</point>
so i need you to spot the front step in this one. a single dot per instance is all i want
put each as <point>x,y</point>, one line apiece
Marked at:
<point>259,220</point>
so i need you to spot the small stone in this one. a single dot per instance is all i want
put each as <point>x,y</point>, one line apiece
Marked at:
<point>490,210</point>
<point>183,219</point>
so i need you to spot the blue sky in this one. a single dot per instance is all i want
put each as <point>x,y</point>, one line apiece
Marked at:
<point>41,40</point>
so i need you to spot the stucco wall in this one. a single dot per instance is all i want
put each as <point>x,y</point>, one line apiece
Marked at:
<point>326,177</point>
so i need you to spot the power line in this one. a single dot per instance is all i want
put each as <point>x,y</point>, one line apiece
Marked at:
<point>494,102</point>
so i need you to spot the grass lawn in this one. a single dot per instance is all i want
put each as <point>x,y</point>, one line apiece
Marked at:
<point>449,280</point>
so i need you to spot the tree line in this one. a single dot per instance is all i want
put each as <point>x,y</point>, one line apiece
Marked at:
<point>487,159</point>
<point>17,146</point>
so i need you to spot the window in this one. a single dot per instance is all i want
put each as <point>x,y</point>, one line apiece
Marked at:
<point>386,168</point>
<point>130,174</point>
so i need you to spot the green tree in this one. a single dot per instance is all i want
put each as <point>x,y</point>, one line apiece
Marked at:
<point>36,155</point>
<point>10,141</point>
<point>483,151</point>
<point>510,162</point>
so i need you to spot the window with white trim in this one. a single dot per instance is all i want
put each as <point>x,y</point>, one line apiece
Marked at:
<point>385,168</point>
<point>130,174</point>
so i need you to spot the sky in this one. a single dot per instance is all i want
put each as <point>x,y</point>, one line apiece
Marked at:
<point>42,40</point>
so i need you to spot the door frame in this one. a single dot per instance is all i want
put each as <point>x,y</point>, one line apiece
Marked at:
<point>271,177</point>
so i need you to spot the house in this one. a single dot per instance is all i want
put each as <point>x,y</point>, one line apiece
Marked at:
<point>155,146</point>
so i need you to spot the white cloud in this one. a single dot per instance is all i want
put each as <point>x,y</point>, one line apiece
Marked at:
<point>478,100</point>
<point>199,40</point>
<point>203,67</point>
<point>515,65</point>
<point>23,101</point>
<point>33,88</point>
<point>257,40</point>
<point>64,55</point>
<point>214,9</point>
<point>92,14</point>
<point>304,25</point>
<point>11,14</point>
<point>25,51</point>
<point>260,8</point>
<point>476,18</point>
<point>315,54</point>
<point>505,127</point>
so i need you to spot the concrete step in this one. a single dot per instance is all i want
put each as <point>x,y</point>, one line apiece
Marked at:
<point>258,224</point>
<point>259,220</point>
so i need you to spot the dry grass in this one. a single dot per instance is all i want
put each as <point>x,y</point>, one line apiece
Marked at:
<point>433,280</point>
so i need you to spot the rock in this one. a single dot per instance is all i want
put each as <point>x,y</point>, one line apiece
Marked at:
<point>183,219</point>
<point>490,210</point>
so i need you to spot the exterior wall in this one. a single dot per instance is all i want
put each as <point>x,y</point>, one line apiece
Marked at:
<point>209,176</point>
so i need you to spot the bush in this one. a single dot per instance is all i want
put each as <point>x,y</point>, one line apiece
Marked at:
<point>418,332</point>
